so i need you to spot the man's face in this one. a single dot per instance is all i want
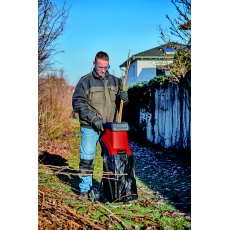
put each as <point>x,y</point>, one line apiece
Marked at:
<point>101,67</point>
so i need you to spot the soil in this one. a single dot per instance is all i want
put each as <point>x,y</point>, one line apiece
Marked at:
<point>165,173</point>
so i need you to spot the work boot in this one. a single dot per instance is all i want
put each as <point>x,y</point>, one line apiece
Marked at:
<point>84,196</point>
<point>94,195</point>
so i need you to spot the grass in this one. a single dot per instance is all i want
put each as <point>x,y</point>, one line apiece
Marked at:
<point>150,211</point>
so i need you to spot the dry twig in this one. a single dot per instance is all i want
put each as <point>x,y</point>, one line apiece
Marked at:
<point>113,215</point>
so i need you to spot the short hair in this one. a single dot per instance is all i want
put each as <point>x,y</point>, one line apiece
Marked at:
<point>102,55</point>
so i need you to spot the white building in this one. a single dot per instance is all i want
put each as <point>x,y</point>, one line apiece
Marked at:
<point>151,63</point>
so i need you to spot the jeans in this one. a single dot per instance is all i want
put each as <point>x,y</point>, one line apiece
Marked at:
<point>89,139</point>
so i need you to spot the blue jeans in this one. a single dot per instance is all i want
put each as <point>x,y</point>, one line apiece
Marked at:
<point>89,139</point>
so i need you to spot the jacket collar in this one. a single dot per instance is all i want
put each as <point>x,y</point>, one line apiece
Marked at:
<point>97,76</point>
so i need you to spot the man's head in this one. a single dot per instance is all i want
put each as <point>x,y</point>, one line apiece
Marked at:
<point>101,63</point>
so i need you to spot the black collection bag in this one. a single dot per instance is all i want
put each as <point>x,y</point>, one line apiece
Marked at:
<point>121,184</point>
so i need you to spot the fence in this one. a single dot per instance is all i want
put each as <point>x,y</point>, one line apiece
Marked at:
<point>161,115</point>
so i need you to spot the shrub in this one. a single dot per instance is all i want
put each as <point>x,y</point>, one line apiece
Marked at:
<point>54,107</point>
<point>181,65</point>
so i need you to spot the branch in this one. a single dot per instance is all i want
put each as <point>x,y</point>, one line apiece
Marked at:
<point>113,215</point>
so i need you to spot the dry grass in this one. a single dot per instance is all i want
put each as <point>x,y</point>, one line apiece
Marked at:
<point>54,107</point>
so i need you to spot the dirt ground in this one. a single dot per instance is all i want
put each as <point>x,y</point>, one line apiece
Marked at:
<point>163,172</point>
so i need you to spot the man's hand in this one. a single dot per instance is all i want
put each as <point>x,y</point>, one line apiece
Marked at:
<point>123,95</point>
<point>98,124</point>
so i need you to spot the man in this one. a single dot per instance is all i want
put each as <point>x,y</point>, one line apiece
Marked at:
<point>96,99</point>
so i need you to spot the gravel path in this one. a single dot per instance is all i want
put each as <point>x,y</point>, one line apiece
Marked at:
<point>165,174</point>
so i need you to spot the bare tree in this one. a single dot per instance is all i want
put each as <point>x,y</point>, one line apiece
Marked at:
<point>180,32</point>
<point>51,22</point>
<point>180,27</point>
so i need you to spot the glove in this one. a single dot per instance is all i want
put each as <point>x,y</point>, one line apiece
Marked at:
<point>123,95</point>
<point>98,124</point>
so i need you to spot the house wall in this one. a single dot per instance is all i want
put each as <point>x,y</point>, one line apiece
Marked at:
<point>143,70</point>
<point>132,75</point>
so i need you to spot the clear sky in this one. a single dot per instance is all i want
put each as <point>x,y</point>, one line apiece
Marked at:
<point>111,26</point>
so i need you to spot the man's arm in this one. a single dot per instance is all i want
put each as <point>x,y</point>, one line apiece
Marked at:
<point>123,95</point>
<point>79,103</point>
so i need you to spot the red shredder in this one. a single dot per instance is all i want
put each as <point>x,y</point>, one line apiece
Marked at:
<point>118,181</point>
<point>115,139</point>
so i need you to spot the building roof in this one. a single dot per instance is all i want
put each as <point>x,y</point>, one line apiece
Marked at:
<point>156,53</point>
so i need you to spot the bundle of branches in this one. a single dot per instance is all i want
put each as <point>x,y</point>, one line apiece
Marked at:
<point>60,209</point>
<point>53,213</point>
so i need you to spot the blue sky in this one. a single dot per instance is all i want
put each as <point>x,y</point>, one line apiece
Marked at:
<point>111,26</point>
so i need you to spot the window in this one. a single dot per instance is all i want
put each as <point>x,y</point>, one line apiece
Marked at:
<point>169,50</point>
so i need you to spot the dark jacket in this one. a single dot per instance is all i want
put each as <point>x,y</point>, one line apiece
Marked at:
<point>95,96</point>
